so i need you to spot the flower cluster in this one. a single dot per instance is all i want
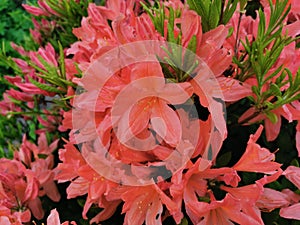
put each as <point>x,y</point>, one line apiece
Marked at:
<point>151,109</point>
<point>25,179</point>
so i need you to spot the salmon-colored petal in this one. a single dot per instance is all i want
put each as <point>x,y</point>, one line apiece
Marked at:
<point>248,193</point>
<point>134,121</point>
<point>148,69</point>
<point>153,215</point>
<point>272,129</point>
<point>248,116</point>
<point>176,94</point>
<point>272,199</point>
<point>77,188</point>
<point>36,208</point>
<point>51,191</point>
<point>292,173</point>
<point>53,218</point>
<point>291,212</point>
<point>298,138</point>
<point>256,158</point>
<point>166,124</point>
<point>35,10</point>
<point>234,90</point>
<point>32,187</point>
<point>293,29</point>
<point>107,212</point>
<point>190,26</point>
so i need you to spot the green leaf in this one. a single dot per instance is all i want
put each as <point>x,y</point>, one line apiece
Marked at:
<point>249,177</point>
<point>202,7</point>
<point>230,32</point>
<point>171,37</point>
<point>255,90</point>
<point>262,25</point>
<point>32,130</point>
<point>3,5</point>
<point>290,76</point>
<point>193,44</point>
<point>61,61</point>
<point>275,185</point>
<point>224,159</point>
<point>295,163</point>
<point>214,14</point>
<point>272,116</point>
<point>243,4</point>
<point>81,202</point>
<point>275,90</point>
<point>273,75</point>
<point>2,154</point>
<point>229,11</point>
<point>3,27</point>
<point>46,87</point>
<point>184,221</point>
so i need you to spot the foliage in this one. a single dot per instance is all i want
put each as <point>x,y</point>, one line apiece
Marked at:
<point>14,27</point>
<point>213,13</point>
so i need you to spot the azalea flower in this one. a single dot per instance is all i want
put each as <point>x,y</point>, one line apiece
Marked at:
<point>84,180</point>
<point>225,211</point>
<point>246,28</point>
<point>19,191</point>
<point>43,9</point>
<point>7,105</point>
<point>151,108</point>
<point>144,204</point>
<point>53,219</point>
<point>262,158</point>
<point>40,168</point>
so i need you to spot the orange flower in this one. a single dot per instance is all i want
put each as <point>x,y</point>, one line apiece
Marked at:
<point>256,158</point>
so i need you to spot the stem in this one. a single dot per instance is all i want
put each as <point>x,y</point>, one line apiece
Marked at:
<point>222,11</point>
<point>246,120</point>
<point>237,41</point>
<point>32,113</point>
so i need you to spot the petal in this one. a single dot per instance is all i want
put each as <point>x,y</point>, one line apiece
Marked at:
<point>248,193</point>
<point>256,158</point>
<point>148,69</point>
<point>234,90</point>
<point>291,212</point>
<point>107,212</point>
<point>153,215</point>
<point>272,199</point>
<point>53,218</point>
<point>134,121</point>
<point>176,94</point>
<point>298,138</point>
<point>166,123</point>
<point>293,29</point>
<point>247,117</point>
<point>51,191</point>
<point>190,26</point>
<point>219,61</point>
<point>292,173</point>
<point>36,208</point>
<point>36,11</point>
<point>77,188</point>
<point>272,130</point>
